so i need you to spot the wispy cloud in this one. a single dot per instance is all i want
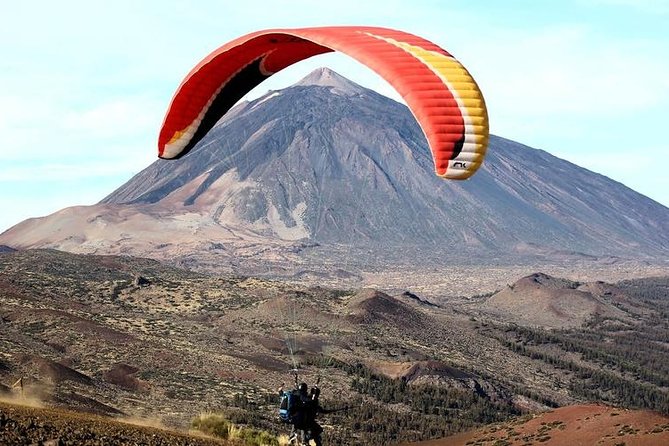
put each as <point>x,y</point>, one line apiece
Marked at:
<point>648,6</point>
<point>90,169</point>
<point>567,70</point>
<point>35,130</point>
<point>118,117</point>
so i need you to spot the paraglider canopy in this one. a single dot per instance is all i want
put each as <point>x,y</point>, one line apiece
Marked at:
<point>441,94</point>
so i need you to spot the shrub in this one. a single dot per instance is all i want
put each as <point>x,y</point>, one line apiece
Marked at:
<point>212,424</point>
<point>252,437</point>
<point>218,426</point>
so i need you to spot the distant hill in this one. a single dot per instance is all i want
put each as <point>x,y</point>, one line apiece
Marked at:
<point>547,301</point>
<point>572,425</point>
<point>376,307</point>
<point>327,176</point>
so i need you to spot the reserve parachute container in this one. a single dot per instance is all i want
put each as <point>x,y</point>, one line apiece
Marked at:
<point>288,405</point>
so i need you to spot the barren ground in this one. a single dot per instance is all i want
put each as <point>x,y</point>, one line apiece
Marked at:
<point>24,425</point>
<point>584,425</point>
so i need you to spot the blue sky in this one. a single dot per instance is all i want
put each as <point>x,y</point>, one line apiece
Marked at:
<point>84,84</point>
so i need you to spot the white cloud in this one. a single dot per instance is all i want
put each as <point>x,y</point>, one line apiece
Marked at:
<point>89,169</point>
<point>123,126</point>
<point>648,6</point>
<point>116,118</point>
<point>567,70</point>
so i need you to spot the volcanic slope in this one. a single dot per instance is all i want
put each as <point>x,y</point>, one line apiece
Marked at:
<point>572,425</point>
<point>547,301</point>
<point>329,177</point>
<point>125,336</point>
<point>22,425</point>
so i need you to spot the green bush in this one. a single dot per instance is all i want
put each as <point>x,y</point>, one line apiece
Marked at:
<point>218,426</point>
<point>252,437</point>
<point>212,424</point>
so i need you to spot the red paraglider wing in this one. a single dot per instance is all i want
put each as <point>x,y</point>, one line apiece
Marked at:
<point>442,95</point>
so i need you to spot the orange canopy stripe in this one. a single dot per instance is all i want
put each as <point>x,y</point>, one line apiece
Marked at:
<point>439,91</point>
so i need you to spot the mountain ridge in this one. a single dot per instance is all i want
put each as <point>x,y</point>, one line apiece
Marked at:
<point>381,170</point>
<point>270,190</point>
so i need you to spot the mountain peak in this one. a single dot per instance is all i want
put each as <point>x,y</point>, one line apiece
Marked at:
<point>325,77</point>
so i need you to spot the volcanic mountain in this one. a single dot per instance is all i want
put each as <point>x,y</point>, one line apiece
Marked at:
<point>328,173</point>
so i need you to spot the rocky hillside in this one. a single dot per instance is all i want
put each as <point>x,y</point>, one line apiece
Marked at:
<point>546,301</point>
<point>22,425</point>
<point>577,425</point>
<point>129,337</point>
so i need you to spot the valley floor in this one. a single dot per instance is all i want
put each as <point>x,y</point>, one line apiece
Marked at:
<point>124,336</point>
